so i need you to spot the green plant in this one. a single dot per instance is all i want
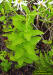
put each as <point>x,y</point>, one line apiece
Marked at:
<point>23,39</point>
<point>44,66</point>
<point>4,63</point>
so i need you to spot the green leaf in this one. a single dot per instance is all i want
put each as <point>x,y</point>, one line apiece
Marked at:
<point>26,9</point>
<point>29,47</point>
<point>28,61</point>
<point>36,32</point>
<point>35,40</point>
<point>0,6</point>
<point>21,61</point>
<point>16,38</point>
<point>7,7</point>
<point>19,22</point>
<point>27,36</point>
<point>2,18</point>
<point>19,51</point>
<point>32,57</point>
<point>2,11</point>
<point>47,41</point>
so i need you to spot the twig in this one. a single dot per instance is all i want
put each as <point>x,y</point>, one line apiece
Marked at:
<point>48,29</point>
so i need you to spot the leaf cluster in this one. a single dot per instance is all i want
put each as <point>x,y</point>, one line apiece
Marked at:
<point>23,39</point>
